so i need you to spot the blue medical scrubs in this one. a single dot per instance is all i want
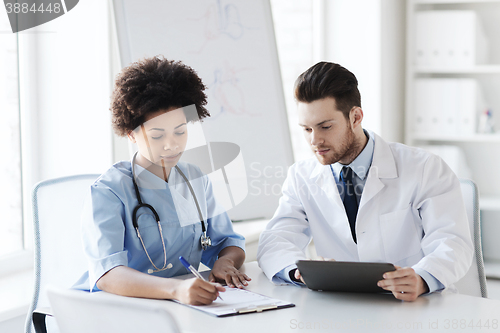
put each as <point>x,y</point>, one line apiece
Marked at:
<point>110,239</point>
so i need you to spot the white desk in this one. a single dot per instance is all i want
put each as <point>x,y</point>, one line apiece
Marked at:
<point>346,312</point>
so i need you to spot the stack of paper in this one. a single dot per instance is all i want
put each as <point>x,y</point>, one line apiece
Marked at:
<point>449,38</point>
<point>446,106</point>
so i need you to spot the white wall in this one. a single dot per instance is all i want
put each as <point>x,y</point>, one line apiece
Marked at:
<point>64,97</point>
<point>367,37</point>
<point>295,31</point>
<point>64,93</point>
<point>65,90</point>
<point>392,73</point>
<point>353,40</point>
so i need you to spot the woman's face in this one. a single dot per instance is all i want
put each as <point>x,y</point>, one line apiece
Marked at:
<point>162,137</point>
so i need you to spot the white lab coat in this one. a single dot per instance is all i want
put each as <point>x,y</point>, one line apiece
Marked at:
<point>411,214</point>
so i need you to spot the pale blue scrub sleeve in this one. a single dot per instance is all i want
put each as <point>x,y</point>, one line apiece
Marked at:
<point>103,233</point>
<point>220,229</point>
<point>432,282</point>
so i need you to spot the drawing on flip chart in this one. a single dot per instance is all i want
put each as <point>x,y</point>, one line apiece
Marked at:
<point>220,20</point>
<point>227,91</point>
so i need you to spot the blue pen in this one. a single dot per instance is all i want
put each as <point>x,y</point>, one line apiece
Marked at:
<point>186,264</point>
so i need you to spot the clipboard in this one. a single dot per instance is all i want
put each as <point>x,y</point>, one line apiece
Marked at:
<point>241,301</point>
<point>344,276</point>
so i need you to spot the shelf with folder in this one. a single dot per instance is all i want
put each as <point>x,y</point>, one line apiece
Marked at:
<point>446,2</point>
<point>479,138</point>
<point>452,80</point>
<point>454,36</point>
<point>478,69</point>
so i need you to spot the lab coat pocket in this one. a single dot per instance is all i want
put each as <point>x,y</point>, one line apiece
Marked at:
<point>399,235</point>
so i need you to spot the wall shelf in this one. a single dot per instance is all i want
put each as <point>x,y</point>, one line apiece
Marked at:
<point>436,91</point>
<point>478,69</point>
<point>451,2</point>
<point>478,138</point>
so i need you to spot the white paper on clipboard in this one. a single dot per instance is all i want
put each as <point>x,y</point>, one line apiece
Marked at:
<point>239,301</point>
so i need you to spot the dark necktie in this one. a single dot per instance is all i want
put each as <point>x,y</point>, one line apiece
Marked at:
<point>350,201</point>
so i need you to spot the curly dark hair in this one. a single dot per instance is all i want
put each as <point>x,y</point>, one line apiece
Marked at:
<point>153,84</point>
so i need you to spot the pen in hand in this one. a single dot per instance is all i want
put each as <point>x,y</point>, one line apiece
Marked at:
<point>186,264</point>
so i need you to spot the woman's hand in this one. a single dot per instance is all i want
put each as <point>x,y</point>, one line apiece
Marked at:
<point>225,271</point>
<point>197,292</point>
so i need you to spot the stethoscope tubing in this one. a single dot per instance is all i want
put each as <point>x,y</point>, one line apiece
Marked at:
<point>205,240</point>
<point>145,205</point>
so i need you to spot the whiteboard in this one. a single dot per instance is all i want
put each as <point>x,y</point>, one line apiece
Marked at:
<point>231,45</point>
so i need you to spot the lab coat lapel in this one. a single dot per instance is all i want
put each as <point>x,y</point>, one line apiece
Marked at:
<point>383,166</point>
<point>323,177</point>
<point>336,216</point>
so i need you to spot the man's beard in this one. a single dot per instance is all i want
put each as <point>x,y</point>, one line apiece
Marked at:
<point>346,151</point>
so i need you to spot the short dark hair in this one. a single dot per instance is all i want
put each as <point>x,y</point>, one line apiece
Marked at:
<point>153,84</point>
<point>327,79</point>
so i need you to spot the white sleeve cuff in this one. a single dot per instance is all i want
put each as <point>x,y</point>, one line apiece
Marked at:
<point>431,281</point>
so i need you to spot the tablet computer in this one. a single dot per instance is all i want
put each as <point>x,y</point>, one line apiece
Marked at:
<point>343,275</point>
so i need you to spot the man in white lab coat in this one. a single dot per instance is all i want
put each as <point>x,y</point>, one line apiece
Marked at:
<point>364,199</point>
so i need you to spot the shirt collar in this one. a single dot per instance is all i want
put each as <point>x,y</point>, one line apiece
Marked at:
<point>362,163</point>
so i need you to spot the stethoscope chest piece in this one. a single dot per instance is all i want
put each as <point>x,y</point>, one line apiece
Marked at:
<point>205,241</point>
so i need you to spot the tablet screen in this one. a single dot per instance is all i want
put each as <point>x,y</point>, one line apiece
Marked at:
<point>343,275</point>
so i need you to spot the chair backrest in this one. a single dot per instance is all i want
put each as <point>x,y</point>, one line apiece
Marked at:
<point>59,257</point>
<point>82,312</point>
<point>474,282</point>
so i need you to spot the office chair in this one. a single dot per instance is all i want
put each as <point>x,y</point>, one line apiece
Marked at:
<point>83,312</point>
<point>59,258</point>
<point>474,282</point>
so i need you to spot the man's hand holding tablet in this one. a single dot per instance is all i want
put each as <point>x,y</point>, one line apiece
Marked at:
<point>404,283</point>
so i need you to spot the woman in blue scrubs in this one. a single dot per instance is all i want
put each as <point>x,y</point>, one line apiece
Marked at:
<point>149,106</point>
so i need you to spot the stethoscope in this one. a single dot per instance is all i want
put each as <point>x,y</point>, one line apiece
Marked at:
<point>204,240</point>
